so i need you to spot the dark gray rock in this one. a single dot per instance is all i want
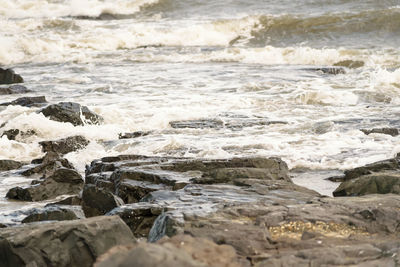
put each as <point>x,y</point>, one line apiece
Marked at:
<point>66,243</point>
<point>133,135</point>
<point>14,89</point>
<point>8,76</point>
<point>198,124</point>
<point>328,70</point>
<point>388,131</point>
<point>65,145</point>
<point>63,182</point>
<point>33,101</point>
<point>73,201</point>
<point>97,201</point>
<point>53,213</point>
<point>378,183</point>
<point>6,165</point>
<point>13,133</point>
<point>71,112</point>
<point>48,165</point>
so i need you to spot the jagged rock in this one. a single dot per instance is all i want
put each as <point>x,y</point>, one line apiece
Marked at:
<point>34,101</point>
<point>8,76</point>
<point>329,70</point>
<point>63,182</point>
<point>71,112</point>
<point>14,89</point>
<point>65,145</point>
<point>133,135</point>
<point>351,64</point>
<point>180,250</point>
<point>6,165</point>
<point>388,131</point>
<point>379,183</point>
<point>48,165</point>
<point>53,213</point>
<point>66,243</point>
<point>97,201</point>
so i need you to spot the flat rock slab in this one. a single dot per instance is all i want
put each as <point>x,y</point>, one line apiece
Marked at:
<point>388,131</point>
<point>6,165</point>
<point>14,89</point>
<point>33,101</point>
<point>67,243</point>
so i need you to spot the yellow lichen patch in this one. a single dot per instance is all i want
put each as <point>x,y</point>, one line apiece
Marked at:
<point>296,229</point>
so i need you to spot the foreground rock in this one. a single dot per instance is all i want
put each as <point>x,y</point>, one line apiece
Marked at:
<point>251,205</point>
<point>182,250</point>
<point>63,182</point>
<point>8,76</point>
<point>14,89</point>
<point>65,145</point>
<point>97,201</point>
<point>72,113</point>
<point>34,101</point>
<point>48,165</point>
<point>68,243</point>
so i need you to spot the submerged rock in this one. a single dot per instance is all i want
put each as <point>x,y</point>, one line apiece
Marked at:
<point>13,133</point>
<point>8,76</point>
<point>198,124</point>
<point>63,182</point>
<point>388,131</point>
<point>65,145</point>
<point>133,135</point>
<point>71,112</point>
<point>67,243</point>
<point>14,89</point>
<point>6,165</point>
<point>33,101</point>
<point>182,250</point>
<point>329,70</point>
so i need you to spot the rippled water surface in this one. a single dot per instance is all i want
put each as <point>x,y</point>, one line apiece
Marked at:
<point>254,65</point>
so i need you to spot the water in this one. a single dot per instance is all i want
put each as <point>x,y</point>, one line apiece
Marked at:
<point>142,64</point>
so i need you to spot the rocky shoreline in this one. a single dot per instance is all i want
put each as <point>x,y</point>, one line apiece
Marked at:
<point>140,210</point>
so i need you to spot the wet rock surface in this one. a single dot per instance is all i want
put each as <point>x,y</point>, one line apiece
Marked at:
<point>67,243</point>
<point>65,145</point>
<point>72,113</point>
<point>54,213</point>
<point>251,205</point>
<point>97,201</point>
<point>6,165</point>
<point>133,135</point>
<point>8,76</point>
<point>13,133</point>
<point>14,89</point>
<point>388,131</point>
<point>34,101</point>
<point>63,181</point>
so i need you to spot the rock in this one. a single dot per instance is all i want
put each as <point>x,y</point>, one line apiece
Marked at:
<point>63,182</point>
<point>73,201</point>
<point>329,70</point>
<point>34,101</point>
<point>97,201</point>
<point>48,165</point>
<point>139,217</point>
<point>14,89</point>
<point>13,133</point>
<point>66,243</point>
<point>133,135</point>
<point>198,124</point>
<point>6,165</point>
<point>351,64</point>
<point>71,112</point>
<point>378,183</point>
<point>65,145</point>
<point>181,250</point>
<point>388,131</point>
<point>53,213</point>
<point>8,76</point>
